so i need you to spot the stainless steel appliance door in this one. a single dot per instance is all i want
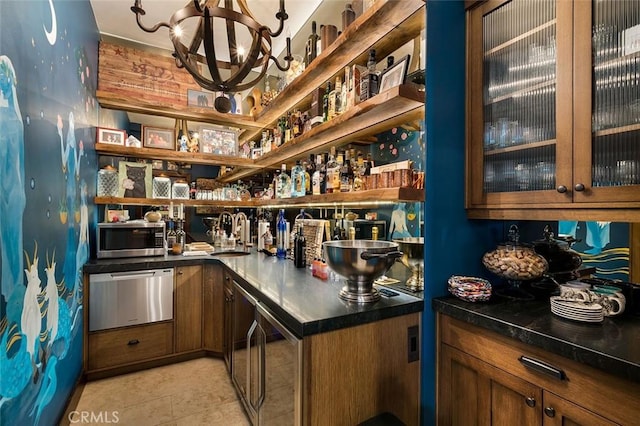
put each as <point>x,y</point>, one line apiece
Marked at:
<point>244,349</point>
<point>279,395</point>
<point>130,298</point>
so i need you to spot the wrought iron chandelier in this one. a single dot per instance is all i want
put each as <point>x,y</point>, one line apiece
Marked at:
<point>242,60</point>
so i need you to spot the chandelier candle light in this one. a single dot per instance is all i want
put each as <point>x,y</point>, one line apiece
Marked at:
<point>241,61</point>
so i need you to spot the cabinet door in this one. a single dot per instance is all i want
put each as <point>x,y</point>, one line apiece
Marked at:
<point>607,102</point>
<point>560,412</point>
<point>228,324</point>
<point>188,314</point>
<point>520,102</point>
<point>472,392</point>
<point>213,306</point>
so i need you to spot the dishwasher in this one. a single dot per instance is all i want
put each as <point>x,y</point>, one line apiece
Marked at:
<point>121,299</point>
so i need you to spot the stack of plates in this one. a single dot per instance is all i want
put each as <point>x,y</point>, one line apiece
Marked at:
<point>576,310</point>
<point>470,289</point>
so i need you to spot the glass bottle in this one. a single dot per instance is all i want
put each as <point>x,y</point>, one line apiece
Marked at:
<point>346,174</point>
<point>281,235</point>
<point>332,166</point>
<point>338,97</point>
<point>312,45</point>
<point>171,236</point>
<point>358,173</point>
<point>332,102</point>
<point>335,175</point>
<point>299,249</point>
<point>298,180</point>
<point>348,16</point>
<point>325,102</point>
<point>284,183</point>
<point>309,170</point>
<point>370,78</point>
<point>181,235</point>
<point>315,178</point>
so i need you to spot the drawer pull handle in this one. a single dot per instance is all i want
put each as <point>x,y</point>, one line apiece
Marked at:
<point>542,367</point>
<point>550,411</point>
<point>133,342</point>
<point>531,402</point>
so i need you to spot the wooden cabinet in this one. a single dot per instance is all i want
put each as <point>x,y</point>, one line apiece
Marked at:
<point>386,26</point>
<point>552,120</point>
<point>188,308</point>
<point>116,347</point>
<point>228,319</point>
<point>213,305</point>
<point>483,379</point>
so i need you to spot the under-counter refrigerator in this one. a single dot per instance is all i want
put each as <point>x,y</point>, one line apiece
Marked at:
<point>266,363</point>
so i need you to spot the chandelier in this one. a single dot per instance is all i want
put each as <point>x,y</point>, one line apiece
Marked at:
<point>242,60</point>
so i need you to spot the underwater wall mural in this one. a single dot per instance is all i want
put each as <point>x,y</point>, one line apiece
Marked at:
<point>48,110</point>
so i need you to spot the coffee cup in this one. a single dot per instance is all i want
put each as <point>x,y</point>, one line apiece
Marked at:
<point>612,302</point>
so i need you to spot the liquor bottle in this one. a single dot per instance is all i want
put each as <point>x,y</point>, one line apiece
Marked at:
<point>299,249</point>
<point>309,170</point>
<point>390,60</point>
<point>281,236</point>
<point>283,130</point>
<point>335,175</point>
<point>277,136</point>
<point>325,102</point>
<point>332,166</point>
<point>370,78</point>
<point>284,184</point>
<point>315,178</point>
<point>332,102</point>
<point>358,173</point>
<point>348,16</point>
<point>181,236</point>
<point>312,45</point>
<point>323,174</point>
<point>298,180</point>
<point>288,128</point>
<point>298,125</point>
<point>338,96</point>
<point>346,174</point>
<point>171,236</point>
<point>344,95</point>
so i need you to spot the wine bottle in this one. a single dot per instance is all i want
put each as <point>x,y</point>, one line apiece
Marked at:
<point>370,78</point>
<point>299,248</point>
<point>325,102</point>
<point>312,45</point>
<point>281,236</point>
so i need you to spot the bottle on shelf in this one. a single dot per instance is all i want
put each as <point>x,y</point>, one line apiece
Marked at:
<point>390,61</point>
<point>309,169</point>
<point>346,174</point>
<point>299,248</point>
<point>283,188</point>
<point>335,176</point>
<point>358,174</point>
<point>348,16</point>
<point>334,97</point>
<point>315,178</point>
<point>325,102</point>
<point>331,167</point>
<point>338,99</point>
<point>370,78</point>
<point>288,128</point>
<point>281,236</point>
<point>171,236</point>
<point>298,180</point>
<point>312,45</point>
<point>181,236</point>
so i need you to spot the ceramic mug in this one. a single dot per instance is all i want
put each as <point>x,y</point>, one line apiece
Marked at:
<point>576,291</point>
<point>613,302</point>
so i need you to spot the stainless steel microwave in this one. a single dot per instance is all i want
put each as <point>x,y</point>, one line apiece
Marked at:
<point>133,238</point>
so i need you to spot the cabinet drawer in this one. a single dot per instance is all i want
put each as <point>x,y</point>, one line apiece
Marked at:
<point>582,385</point>
<point>131,344</point>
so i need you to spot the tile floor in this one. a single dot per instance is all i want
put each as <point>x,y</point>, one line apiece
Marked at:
<point>197,392</point>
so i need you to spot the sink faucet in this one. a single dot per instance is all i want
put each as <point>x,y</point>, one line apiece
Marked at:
<point>219,222</point>
<point>240,228</point>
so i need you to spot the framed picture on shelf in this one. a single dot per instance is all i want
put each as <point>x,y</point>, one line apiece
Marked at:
<point>220,141</point>
<point>157,165</point>
<point>395,74</point>
<point>134,180</point>
<point>199,98</point>
<point>111,136</point>
<point>154,137</point>
<point>256,153</point>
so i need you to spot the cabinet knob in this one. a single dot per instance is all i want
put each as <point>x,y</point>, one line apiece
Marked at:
<point>133,342</point>
<point>561,189</point>
<point>579,187</point>
<point>550,411</point>
<point>180,272</point>
<point>531,401</point>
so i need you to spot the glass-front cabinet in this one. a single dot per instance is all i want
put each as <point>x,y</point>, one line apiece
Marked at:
<point>553,104</point>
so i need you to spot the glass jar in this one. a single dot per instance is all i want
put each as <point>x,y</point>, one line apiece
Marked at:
<point>107,182</point>
<point>161,187</point>
<point>180,190</point>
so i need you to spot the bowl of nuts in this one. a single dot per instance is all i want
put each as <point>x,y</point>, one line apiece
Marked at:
<point>516,263</point>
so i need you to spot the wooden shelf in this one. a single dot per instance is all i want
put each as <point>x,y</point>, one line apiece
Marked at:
<point>393,107</point>
<point>520,147</point>
<point>369,197</point>
<point>176,156</point>
<point>617,130</point>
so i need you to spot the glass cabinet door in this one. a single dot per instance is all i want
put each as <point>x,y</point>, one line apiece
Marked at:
<point>519,75</point>
<point>607,139</point>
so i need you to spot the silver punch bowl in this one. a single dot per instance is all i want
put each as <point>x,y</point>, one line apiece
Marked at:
<point>361,262</point>
<point>413,258</point>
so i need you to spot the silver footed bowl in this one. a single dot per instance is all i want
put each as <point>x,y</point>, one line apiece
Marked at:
<point>413,258</point>
<point>361,262</point>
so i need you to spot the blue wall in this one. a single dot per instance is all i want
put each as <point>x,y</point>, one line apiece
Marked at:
<point>48,65</point>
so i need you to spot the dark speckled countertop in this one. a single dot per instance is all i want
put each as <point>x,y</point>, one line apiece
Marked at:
<point>612,346</point>
<point>304,303</point>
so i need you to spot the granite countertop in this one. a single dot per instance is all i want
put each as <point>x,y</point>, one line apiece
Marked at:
<point>612,346</point>
<point>303,303</point>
